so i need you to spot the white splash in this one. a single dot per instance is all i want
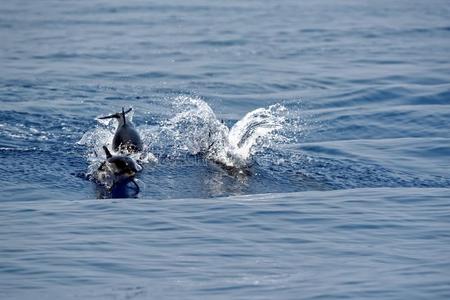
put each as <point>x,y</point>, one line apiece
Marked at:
<point>196,129</point>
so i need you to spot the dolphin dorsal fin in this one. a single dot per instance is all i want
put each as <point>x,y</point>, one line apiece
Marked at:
<point>108,154</point>
<point>123,116</point>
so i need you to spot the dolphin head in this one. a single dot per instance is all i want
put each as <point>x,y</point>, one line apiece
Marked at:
<point>123,167</point>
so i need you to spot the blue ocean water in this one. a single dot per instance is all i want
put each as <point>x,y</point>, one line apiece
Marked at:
<point>333,115</point>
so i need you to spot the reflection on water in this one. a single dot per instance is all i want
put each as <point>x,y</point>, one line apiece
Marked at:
<point>119,190</point>
<point>225,181</point>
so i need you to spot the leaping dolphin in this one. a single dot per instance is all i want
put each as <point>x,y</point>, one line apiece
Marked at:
<point>122,168</point>
<point>126,137</point>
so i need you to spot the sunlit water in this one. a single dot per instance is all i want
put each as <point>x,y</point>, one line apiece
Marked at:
<point>292,149</point>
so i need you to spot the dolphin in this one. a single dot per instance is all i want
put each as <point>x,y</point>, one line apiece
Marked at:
<point>126,138</point>
<point>122,169</point>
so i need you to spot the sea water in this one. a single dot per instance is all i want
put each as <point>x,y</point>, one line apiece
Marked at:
<point>292,149</point>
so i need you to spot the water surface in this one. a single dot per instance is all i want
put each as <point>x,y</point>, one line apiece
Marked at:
<point>346,144</point>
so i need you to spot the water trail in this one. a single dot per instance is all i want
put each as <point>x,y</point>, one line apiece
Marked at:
<point>195,129</point>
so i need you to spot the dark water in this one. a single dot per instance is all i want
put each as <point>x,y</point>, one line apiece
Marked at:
<point>342,113</point>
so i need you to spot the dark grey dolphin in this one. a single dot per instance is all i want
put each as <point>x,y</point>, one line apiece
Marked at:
<point>122,167</point>
<point>126,137</point>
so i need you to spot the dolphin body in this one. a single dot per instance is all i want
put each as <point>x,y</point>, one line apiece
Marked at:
<point>120,169</point>
<point>126,138</point>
